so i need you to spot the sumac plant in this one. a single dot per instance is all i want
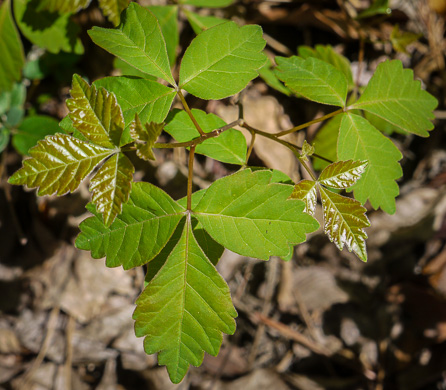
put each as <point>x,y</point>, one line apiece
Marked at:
<point>186,305</point>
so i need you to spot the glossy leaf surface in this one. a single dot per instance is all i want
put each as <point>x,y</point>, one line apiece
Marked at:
<point>58,164</point>
<point>111,186</point>
<point>344,222</point>
<point>229,146</point>
<point>306,190</point>
<point>313,79</point>
<point>138,41</point>
<point>342,174</point>
<point>49,30</point>
<point>249,215</point>
<point>11,48</point>
<point>112,9</point>
<point>190,293</point>
<point>138,234</point>
<point>222,60</point>
<point>359,140</point>
<point>146,137</point>
<point>95,113</point>
<point>395,96</point>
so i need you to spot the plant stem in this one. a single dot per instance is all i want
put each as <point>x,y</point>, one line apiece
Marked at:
<point>189,112</point>
<point>305,125</point>
<point>251,146</point>
<point>189,177</point>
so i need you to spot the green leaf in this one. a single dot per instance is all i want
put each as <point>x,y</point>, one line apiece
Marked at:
<point>199,23</point>
<point>306,190</point>
<point>146,137</point>
<point>32,130</point>
<point>400,40</point>
<point>395,96</point>
<point>379,7</point>
<point>58,164</point>
<point>13,105</point>
<point>63,6</point>
<point>128,70</point>
<point>208,3</point>
<point>167,16</point>
<point>344,221</point>
<point>189,292</point>
<point>49,30</point>
<point>249,215</point>
<point>138,41</point>
<point>95,113</point>
<point>138,234</point>
<point>229,146</point>
<point>222,60</point>
<point>111,186</point>
<point>359,140</point>
<point>325,142</point>
<point>382,125</point>
<point>314,79</point>
<point>4,138</point>
<point>270,78</point>
<point>326,53</point>
<point>112,9</point>
<point>342,174</point>
<point>149,99</point>
<point>11,48</point>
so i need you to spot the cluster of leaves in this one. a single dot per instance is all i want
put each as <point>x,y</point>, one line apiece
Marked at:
<point>186,306</point>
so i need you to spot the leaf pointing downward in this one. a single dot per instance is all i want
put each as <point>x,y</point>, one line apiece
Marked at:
<point>95,113</point>
<point>344,221</point>
<point>342,174</point>
<point>111,186</point>
<point>189,292</point>
<point>306,190</point>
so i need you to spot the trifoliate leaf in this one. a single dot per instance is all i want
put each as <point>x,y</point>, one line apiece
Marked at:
<point>313,79</point>
<point>359,140</point>
<point>111,186</point>
<point>222,60</point>
<point>229,146</point>
<point>342,174</point>
<point>326,53</point>
<point>52,31</point>
<point>63,6</point>
<point>344,221</point>
<point>190,293</point>
<point>58,164</point>
<point>138,234</point>
<point>112,9</point>
<point>199,23</point>
<point>130,42</point>
<point>146,137</point>
<point>306,190</point>
<point>11,48</point>
<point>395,96</point>
<point>249,215</point>
<point>95,113</point>
<point>167,16</point>
<point>208,3</point>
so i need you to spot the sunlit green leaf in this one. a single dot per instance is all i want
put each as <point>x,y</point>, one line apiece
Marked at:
<point>207,3</point>
<point>229,146</point>
<point>359,140</point>
<point>328,54</point>
<point>382,125</point>
<point>342,174</point>
<point>222,60</point>
<point>111,186</point>
<point>50,30</point>
<point>270,78</point>
<point>190,293</point>
<point>58,164</point>
<point>95,113</point>
<point>395,96</point>
<point>401,39</point>
<point>249,215</point>
<point>199,23</point>
<point>344,222</point>
<point>313,79</point>
<point>12,60</point>
<point>146,137</point>
<point>126,69</point>
<point>33,129</point>
<point>306,190</point>
<point>379,7</point>
<point>130,42</point>
<point>138,234</point>
<point>112,9</point>
<point>325,142</point>
<point>63,6</point>
<point>167,16</point>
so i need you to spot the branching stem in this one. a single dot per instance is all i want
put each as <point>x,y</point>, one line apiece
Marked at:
<point>189,112</point>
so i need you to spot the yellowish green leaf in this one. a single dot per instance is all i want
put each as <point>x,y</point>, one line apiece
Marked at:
<point>112,9</point>
<point>306,190</point>
<point>63,6</point>
<point>145,137</point>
